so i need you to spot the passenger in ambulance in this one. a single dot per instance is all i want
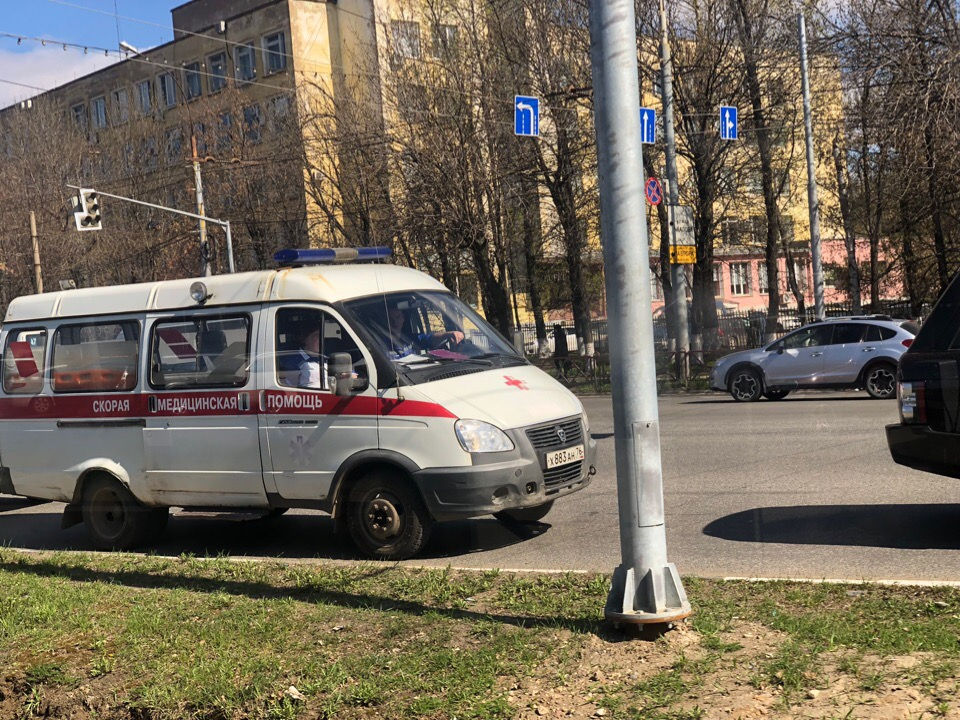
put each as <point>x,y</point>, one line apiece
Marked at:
<point>313,366</point>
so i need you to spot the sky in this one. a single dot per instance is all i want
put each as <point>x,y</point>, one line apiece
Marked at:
<point>99,24</point>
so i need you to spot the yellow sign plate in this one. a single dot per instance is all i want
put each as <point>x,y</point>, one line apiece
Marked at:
<point>683,254</point>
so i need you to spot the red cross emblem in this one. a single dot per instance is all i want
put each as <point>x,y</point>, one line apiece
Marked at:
<point>513,382</point>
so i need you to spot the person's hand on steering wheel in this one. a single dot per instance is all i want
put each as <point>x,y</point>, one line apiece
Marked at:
<point>450,339</point>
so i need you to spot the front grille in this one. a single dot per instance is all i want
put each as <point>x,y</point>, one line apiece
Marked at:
<point>546,437</point>
<point>453,374</point>
<point>558,477</point>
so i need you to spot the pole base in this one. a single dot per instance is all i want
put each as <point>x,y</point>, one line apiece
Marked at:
<point>658,598</point>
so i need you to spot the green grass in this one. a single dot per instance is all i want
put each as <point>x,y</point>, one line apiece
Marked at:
<point>220,638</point>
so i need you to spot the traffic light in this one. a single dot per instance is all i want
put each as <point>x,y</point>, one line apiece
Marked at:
<point>88,216</point>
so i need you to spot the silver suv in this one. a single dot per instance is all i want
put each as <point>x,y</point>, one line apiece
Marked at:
<point>841,352</point>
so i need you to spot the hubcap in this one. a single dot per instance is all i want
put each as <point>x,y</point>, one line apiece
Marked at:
<point>382,517</point>
<point>109,516</point>
<point>745,386</point>
<point>881,382</point>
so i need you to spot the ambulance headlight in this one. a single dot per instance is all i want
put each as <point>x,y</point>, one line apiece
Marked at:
<point>480,437</point>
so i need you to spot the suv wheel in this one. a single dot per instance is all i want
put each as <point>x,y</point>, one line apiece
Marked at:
<point>880,381</point>
<point>745,385</point>
<point>776,394</point>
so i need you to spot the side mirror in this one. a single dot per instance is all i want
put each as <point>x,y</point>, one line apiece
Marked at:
<point>345,380</point>
<point>780,349</point>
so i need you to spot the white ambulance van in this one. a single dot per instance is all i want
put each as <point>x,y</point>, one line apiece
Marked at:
<point>404,407</point>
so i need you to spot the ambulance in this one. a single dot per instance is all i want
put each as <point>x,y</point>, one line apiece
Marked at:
<point>123,402</point>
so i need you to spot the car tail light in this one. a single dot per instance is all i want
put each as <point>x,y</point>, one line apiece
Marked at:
<point>907,343</point>
<point>913,403</point>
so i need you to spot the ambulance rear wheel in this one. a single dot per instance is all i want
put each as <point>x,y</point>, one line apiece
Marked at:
<point>115,519</point>
<point>386,518</point>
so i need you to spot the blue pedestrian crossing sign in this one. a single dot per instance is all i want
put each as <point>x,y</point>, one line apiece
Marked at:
<point>648,126</point>
<point>526,116</point>
<point>728,122</point>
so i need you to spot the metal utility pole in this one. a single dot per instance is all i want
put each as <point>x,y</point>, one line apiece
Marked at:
<point>37,273</point>
<point>678,278</point>
<point>198,183</point>
<point>646,589</point>
<point>812,200</point>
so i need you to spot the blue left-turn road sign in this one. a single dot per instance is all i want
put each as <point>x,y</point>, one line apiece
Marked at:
<point>728,122</point>
<point>526,116</point>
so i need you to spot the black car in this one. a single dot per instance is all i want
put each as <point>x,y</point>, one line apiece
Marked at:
<point>928,434</point>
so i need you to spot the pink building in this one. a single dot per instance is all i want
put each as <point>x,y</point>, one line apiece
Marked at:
<point>740,277</point>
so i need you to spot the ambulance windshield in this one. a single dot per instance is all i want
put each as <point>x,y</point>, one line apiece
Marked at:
<point>420,327</point>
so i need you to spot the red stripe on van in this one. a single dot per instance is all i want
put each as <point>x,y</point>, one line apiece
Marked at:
<point>92,406</point>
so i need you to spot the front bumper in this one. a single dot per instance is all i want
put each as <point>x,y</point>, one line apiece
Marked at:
<point>502,481</point>
<point>921,448</point>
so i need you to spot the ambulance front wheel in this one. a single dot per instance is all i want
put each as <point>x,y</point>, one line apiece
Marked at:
<point>115,519</point>
<point>386,518</point>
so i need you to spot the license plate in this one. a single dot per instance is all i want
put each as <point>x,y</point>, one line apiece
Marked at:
<point>565,456</point>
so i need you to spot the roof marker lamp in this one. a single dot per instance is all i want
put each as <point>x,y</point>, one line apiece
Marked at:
<point>199,293</point>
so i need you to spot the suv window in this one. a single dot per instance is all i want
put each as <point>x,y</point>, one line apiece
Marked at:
<point>808,337</point>
<point>878,333</point>
<point>846,333</point>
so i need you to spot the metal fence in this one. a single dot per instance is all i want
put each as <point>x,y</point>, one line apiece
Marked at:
<point>735,329</point>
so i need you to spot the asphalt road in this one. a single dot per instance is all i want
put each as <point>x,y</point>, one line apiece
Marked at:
<point>801,488</point>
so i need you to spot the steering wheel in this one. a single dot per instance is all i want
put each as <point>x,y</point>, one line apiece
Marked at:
<point>449,343</point>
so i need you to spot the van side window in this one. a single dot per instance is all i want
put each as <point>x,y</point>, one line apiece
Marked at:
<point>95,357</point>
<point>23,362</point>
<point>305,340</point>
<point>202,351</point>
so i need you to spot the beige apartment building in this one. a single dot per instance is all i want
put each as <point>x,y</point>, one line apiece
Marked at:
<point>251,82</point>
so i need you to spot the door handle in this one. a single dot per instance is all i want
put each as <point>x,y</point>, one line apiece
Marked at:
<point>816,354</point>
<point>869,349</point>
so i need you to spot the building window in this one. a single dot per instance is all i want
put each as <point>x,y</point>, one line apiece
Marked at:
<point>167,90</point>
<point>217,65</point>
<point>278,109</point>
<point>79,113</point>
<point>144,97</point>
<point>191,80</point>
<point>406,39</point>
<point>656,289</point>
<point>98,112</point>
<point>244,60</point>
<point>173,146</point>
<point>148,153</point>
<point>253,123</point>
<point>763,286</point>
<point>225,132</point>
<point>274,53</point>
<point>800,270</point>
<point>444,40</point>
<point>121,109</point>
<point>718,279</point>
<point>740,278</point>
<point>200,135</point>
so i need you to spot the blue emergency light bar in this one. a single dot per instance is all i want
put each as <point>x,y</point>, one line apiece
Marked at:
<point>319,256</point>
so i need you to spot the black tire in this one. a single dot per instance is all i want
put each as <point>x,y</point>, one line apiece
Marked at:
<point>775,394</point>
<point>880,381</point>
<point>524,515</point>
<point>745,385</point>
<point>115,519</point>
<point>386,518</point>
